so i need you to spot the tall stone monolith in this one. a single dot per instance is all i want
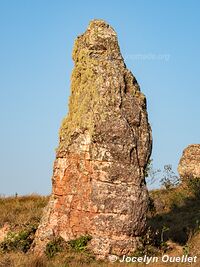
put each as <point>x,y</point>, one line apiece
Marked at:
<point>98,184</point>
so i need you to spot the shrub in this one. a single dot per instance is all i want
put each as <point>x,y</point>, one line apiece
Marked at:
<point>80,243</point>
<point>150,173</point>
<point>193,184</point>
<point>169,180</point>
<point>56,245</point>
<point>150,244</point>
<point>151,205</point>
<point>20,241</point>
<point>59,244</point>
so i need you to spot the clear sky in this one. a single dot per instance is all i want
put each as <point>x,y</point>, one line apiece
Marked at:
<point>160,41</point>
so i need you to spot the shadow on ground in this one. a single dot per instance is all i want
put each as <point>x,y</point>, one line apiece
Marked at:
<point>181,221</point>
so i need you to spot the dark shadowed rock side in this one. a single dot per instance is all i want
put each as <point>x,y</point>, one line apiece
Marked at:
<point>105,143</point>
<point>189,165</point>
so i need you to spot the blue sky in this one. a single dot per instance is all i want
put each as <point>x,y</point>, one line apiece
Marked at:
<point>160,42</point>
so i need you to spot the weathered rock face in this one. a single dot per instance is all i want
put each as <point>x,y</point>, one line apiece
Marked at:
<point>105,143</point>
<point>189,165</point>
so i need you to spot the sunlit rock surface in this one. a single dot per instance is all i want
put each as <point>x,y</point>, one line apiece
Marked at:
<point>105,143</point>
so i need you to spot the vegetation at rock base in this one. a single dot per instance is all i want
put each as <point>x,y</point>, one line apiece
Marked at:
<point>20,241</point>
<point>55,246</point>
<point>173,228</point>
<point>59,245</point>
<point>80,243</point>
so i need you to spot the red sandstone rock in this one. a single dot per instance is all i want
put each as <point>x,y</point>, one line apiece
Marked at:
<point>4,231</point>
<point>105,143</point>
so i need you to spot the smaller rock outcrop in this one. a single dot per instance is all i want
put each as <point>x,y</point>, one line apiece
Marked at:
<point>4,231</point>
<point>189,165</point>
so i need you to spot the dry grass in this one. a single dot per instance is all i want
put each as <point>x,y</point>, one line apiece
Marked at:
<point>19,211</point>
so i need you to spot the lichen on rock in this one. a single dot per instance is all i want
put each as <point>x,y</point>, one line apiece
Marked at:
<point>189,165</point>
<point>105,143</point>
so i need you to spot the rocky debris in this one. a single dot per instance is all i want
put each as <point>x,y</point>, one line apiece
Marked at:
<point>105,143</point>
<point>189,165</point>
<point>4,231</point>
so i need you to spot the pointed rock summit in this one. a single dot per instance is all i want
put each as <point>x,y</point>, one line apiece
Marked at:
<point>105,142</point>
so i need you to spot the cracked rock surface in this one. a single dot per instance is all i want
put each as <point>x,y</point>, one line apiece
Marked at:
<point>189,165</point>
<point>98,185</point>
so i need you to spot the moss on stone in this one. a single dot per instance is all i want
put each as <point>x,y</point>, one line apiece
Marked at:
<point>82,102</point>
<point>97,60</point>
